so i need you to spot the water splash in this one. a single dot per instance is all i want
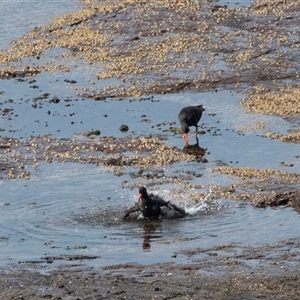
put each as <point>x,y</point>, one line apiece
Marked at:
<point>204,205</point>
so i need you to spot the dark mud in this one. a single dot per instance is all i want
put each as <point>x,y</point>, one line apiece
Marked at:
<point>226,272</point>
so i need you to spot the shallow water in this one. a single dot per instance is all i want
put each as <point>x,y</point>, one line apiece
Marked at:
<point>75,209</point>
<point>18,17</point>
<point>231,3</point>
<point>66,212</point>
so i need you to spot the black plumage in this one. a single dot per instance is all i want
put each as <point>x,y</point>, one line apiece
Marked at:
<point>190,116</point>
<point>150,205</point>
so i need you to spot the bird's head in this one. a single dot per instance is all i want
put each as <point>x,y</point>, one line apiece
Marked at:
<point>185,127</point>
<point>142,193</point>
<point>201,107</point>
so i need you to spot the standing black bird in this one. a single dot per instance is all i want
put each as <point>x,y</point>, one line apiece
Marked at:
<point>149,205</point>
<point>190,116</point>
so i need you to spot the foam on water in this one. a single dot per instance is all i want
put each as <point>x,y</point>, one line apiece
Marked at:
<point>202,206</point>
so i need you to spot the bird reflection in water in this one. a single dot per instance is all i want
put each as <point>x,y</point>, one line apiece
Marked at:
<point>149,227</point>
<point>194,149</point>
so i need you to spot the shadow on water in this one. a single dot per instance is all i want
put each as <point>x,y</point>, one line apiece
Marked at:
<point>195,149</point>
<point>147,232</point>
<point>150,227</point>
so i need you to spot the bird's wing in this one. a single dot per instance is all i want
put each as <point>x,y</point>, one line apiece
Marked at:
<point>177,208</point>
<point>130,210</point>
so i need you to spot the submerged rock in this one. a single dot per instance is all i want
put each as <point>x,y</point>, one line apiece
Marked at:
<point>124,128</point>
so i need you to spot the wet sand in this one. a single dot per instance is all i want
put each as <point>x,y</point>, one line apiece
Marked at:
<point>225,272</point>
<point>143,59</point>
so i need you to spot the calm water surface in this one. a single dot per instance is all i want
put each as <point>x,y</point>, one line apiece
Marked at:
<point>18,17</point>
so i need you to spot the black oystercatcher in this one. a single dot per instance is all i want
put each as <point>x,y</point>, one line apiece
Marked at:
<point>190,116</point>
<point>149,205</point>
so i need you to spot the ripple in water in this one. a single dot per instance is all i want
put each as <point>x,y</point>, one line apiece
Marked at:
<point>76,210</point>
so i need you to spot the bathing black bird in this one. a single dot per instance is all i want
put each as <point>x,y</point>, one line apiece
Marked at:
<point>150,205</point>
<point>189,116</point>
